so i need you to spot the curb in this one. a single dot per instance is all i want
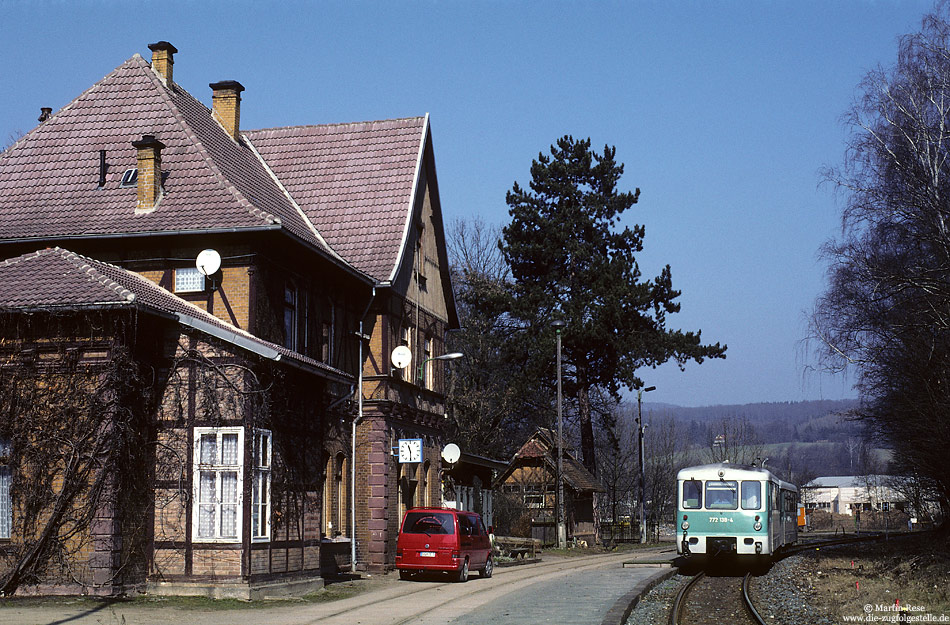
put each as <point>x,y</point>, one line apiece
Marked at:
<point>518,562</point>
<point>621,610</point>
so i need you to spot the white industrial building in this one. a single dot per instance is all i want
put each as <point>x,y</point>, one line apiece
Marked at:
<point>845,494</point>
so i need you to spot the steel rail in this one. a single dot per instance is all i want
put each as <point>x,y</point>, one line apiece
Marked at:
<point>832,543</point>
<point>748,600</point>
<point>680,600</point>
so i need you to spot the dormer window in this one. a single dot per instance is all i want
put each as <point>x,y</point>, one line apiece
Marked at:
<point>130,177</point>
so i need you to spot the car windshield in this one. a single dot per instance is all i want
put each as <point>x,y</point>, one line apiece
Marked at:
<point>428,523</point>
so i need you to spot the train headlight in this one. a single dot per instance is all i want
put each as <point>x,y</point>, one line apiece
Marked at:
<point>685,525</point>
<point>757,526</point>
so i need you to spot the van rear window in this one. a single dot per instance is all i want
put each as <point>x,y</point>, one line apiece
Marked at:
<point>428,523</point>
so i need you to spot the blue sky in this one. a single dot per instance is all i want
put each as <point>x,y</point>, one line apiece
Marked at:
<point>723,112</point>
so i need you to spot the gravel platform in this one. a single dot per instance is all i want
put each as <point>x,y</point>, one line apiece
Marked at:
<point>782,597</point>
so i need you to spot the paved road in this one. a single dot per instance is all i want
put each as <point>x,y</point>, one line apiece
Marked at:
<point>563,590</point>
<point>573,598</point>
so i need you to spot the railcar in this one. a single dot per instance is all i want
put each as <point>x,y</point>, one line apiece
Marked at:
<point>728,509</point>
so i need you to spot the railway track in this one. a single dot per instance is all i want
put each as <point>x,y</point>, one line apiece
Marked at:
<point>817,544</point>
<point>709,600</point>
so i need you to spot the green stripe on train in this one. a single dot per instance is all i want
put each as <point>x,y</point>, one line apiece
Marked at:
<point>721,522</point>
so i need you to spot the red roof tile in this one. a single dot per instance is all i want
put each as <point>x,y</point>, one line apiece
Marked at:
<point>49,179</point>
<point>354,182</point>
<point>542,444</point>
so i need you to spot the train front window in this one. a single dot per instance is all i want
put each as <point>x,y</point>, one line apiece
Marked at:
<point>722,495</point>
<point>751,495</point>
<point>692,494</point>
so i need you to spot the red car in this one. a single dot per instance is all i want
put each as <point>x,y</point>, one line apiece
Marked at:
<point>443,539</point>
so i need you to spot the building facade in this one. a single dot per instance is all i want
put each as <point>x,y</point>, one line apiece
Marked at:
<point>529,485</point>
<point>850,494</point>
<point>332,253</point>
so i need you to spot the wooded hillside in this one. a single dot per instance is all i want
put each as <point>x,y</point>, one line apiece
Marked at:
<point>799,439</point>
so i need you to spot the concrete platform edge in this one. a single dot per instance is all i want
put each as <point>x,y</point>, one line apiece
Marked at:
<point>621,610</point>
<point>238,590</point>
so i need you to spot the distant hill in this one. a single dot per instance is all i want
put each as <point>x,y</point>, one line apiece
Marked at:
<point>775,422</point>
<point>801,439</point>
<point>765,411</point>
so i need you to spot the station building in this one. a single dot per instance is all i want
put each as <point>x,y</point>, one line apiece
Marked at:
<point>244,384</point>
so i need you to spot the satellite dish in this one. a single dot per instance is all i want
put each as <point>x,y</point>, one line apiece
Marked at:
<point>451,453</point>
<point>208,262</point>
<point>401,356</point>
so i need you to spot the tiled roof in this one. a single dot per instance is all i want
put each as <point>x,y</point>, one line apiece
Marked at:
<point>578,477</point>
<point>533,449</point>
<point>55,278</point>
<point>354,182</point>
<point>848,481</point>
<point>345,189</point>
<point>49,179</point>
<point>541,445</point>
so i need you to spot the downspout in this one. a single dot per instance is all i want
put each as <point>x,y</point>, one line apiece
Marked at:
<point>359,417</point>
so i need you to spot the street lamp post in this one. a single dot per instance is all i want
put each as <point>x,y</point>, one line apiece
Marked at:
<point>559,325</point>
<point>452,356</point>
<point>643,488</point>
<point>422,382</point>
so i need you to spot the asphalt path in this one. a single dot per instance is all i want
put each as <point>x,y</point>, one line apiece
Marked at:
<point>565,591</point>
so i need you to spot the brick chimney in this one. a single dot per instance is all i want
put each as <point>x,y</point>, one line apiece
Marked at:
<point>226,102</point>
<point>149,161</point>
<point>163,59</point>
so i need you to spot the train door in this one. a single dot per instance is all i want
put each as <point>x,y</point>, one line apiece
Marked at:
<point>791,517</point>
<point>782,506</point>
<point>775,517</point>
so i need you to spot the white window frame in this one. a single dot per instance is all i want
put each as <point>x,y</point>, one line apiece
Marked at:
<point>406,339</point>
<point>261,458</point>
<point>219,469</point>
<point>189,280</point>
<point>6,500</point>
<point>326,342</point>
<point>428,379</point>
<point>291,307</point>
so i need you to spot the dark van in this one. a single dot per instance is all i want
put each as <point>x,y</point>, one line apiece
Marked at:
<point>443,539</point>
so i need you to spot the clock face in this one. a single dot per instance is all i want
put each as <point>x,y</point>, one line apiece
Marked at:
<point>410,450</point>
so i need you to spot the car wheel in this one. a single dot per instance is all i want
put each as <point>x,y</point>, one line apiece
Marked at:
<point>489,568</point>
<point>463,572</point>
<point>405,574</point>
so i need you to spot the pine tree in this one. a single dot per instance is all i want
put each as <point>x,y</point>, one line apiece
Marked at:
<point>569,260</point>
